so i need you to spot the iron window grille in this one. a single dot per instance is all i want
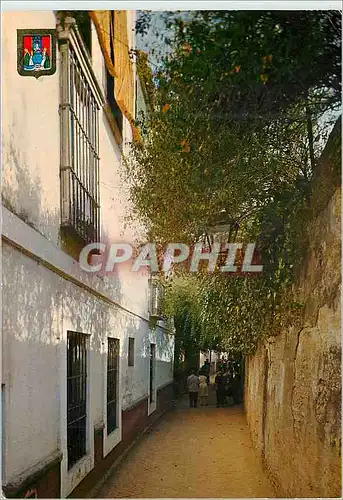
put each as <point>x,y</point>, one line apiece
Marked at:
<point>79,111</point>
<point>131,353</point>
<point>76,396</point>
<point>112,383</point>
<point>84,25</point>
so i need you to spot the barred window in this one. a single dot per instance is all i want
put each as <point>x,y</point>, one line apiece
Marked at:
<point>131,353</point>
<point>76,396</point>
<point>79,111</point>
<point>112,383</point>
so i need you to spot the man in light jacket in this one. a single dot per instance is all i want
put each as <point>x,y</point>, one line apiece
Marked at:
<point>193,385</point>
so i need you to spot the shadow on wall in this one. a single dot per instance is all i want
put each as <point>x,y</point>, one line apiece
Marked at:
<point>37,306</point>
<point>22,188</point>
<point>135,380</point>
<point>164,354</point>
<point>164,348</point>
<point>293,390</point>
<point>23,194</point>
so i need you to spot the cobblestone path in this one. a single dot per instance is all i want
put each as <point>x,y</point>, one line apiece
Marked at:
<point>195,453</point>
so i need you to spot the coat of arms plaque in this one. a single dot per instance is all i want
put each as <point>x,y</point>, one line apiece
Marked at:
<point>36,54</point>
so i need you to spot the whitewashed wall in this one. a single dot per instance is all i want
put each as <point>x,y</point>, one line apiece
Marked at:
<point>44,289</point>
<point>30,132</point>
<point>31,326</point>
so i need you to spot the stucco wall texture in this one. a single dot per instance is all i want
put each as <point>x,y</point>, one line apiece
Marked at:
<point>46,294</point>
<point>293,382</point>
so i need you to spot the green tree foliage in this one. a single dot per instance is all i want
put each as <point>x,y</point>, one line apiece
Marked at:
<point>234,139</point>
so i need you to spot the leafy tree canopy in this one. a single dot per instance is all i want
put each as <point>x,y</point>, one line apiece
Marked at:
<point>241,102</point>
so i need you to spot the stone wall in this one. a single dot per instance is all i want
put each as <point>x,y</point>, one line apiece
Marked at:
<point>293,382</point>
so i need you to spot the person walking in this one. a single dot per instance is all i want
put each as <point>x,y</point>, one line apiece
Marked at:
<point>228,387</point>
<point>207,371</point>
<point>236,389</point>
<point>220,389</point>
<point>193,386</point>
<point>203,390</point>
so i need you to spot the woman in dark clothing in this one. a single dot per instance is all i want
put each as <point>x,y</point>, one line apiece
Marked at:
<point>228,388</point>
<point>236,389</point>
<point>206,370</point>
<point>220,389</point>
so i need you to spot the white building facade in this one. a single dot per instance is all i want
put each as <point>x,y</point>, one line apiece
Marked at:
<point>82,371</point>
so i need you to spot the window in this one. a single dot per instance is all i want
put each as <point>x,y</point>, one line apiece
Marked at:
<point>131,355</point>
<point>112,384</point>
<point>76,396</point>
<point>117,114</point>
<point>79,113</point>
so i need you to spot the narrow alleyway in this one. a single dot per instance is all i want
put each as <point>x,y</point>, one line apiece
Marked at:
<point>199,452</point>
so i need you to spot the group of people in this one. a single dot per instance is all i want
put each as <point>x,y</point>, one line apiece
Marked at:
<point>198,386</point>
<point>228,385</point>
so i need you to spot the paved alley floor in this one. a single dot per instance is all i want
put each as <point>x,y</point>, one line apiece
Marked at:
<point>192,452</point>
